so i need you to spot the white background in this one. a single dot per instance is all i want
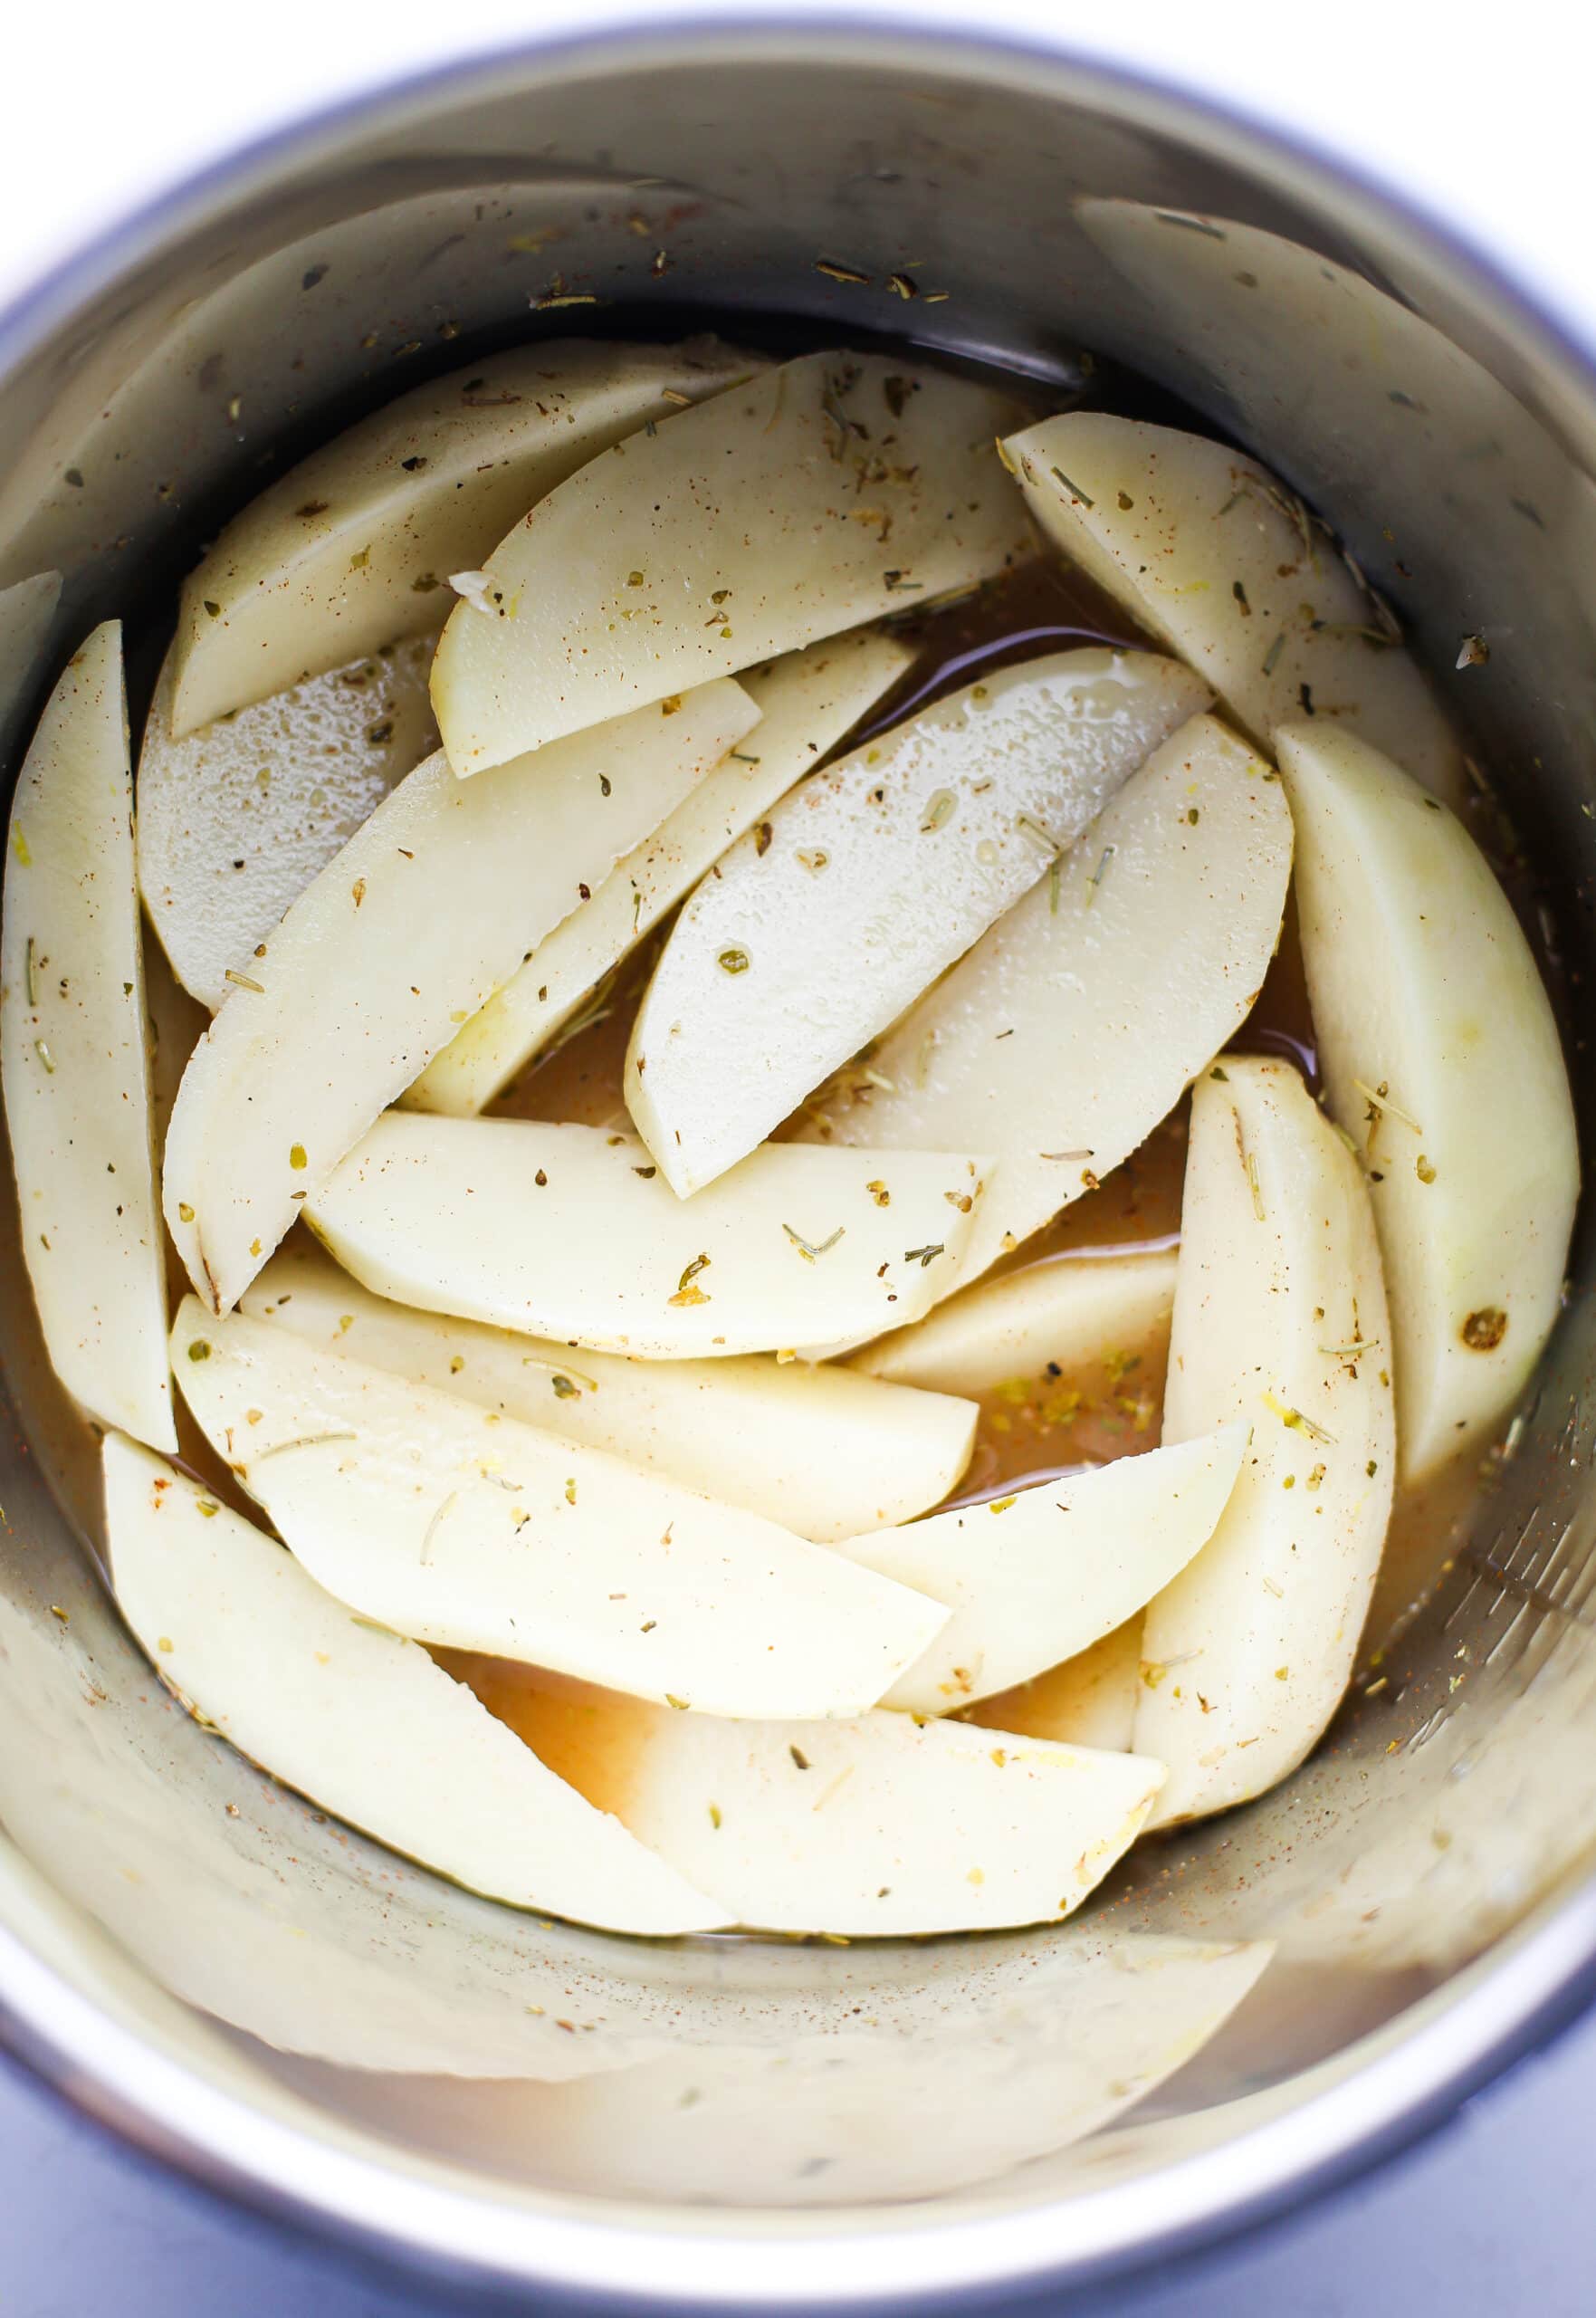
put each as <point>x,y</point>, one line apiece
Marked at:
<point>1485,118</point>
<point>1483,114</point>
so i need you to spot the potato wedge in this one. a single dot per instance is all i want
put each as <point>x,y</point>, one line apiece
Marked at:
<point>885,1823</point>
<point>820,494</point>
<point>1246,1653</point>
<point>823,1452</point>
<point>807,701</point>
<point>458,1527</point>
<point>429,906</point>
<point>355,546</point>
<point>572,1233</point>
<point>361,1720</point>
<point>818,929</point>
<point>1069,1313</point>
<point>1218,558</point>
<point>74,1058</point>
<point>1442,1060</point>
<point>1074,1025</point>
<point>1088,1701</point>
<point>235,821</point>
<point>237,818</point>
<point>1037,1577</point>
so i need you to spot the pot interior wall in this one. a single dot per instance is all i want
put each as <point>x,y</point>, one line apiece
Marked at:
<point>1039,219</point>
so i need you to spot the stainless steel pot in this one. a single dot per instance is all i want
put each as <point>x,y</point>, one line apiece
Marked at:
<point>288,2013</point>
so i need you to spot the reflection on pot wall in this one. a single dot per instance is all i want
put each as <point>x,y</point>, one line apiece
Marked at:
<point>1453,1791</point>
<point>1362,402</point>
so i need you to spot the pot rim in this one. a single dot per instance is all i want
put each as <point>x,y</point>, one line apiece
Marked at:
<point>1410,2078</point>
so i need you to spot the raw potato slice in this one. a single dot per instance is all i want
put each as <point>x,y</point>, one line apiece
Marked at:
<point>1442,1060</point>
<point>1074,1026</point>
<point>1088,1701</point>
<point>235,822</point>
<point>1040,1575</point>
<point>361,1720</point>
<point>572,1233</point>
<point>1247,1653</point>
<point>807,701</point>
<point>823,1452</point>
<point>818,931</point>
<point>819,495</point>
<point>429,906</point>
<point>459,1526</point>
<point>885,1823</point>
<point>75,1060</point>
<point>355,547</point>
<point>1219,559</point>
<point>1069,1312</point>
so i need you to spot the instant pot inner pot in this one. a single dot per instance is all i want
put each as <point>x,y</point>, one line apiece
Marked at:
<point>804,190</point>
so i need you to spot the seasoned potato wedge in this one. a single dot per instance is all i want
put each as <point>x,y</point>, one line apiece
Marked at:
<point>1074,1026</point>
<point>457,1526</point>
<point>1279,1323</point>
<point>429,906</point>
<point>361,1720</point>
<point>823,1452</point>
<point>819,928</point>
<point>236,820</point>
<point>74,1060</point>
<point>883,1824</point>
<point>817,496</point>
<point>1035,1577</point>
<point>1069,1313</point>
<point>572,1233</point>
<point>1443,1064</point>
<point>355,547</point>
<point>807,701</point>
<point>1212,553</point>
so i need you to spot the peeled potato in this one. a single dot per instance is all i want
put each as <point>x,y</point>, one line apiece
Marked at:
<point>1039,1575</point>
<point>356,545</point>
<point>885,1823</point>
<point>235,822</point>
<point>1088,1701</point>
<point>361,1720</point>
<point>1212,553</point>
<point>74,1060</point>
<point>1280,1323</point>
<point>823,1452</point>
<point>461,1527</point>
<point>430,906</point>
<point>1074,1025</point>
<point>818,930</point>
<point>807,701</point>
<point>817,496</point>
<point>1443,1063</point>
<point>572,1233</point>
<point>1066,1314</point>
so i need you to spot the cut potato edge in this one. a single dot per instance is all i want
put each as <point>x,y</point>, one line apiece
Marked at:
<point>361,1720</point>
<point>74,1058</point>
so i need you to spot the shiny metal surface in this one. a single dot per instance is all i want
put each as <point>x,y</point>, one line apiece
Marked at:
<point>282,2007</point>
